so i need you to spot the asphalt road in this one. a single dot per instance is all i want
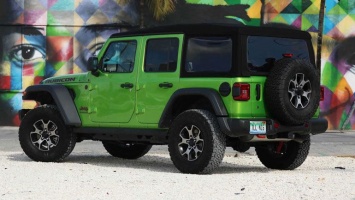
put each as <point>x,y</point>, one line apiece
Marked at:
<point>330,143</point>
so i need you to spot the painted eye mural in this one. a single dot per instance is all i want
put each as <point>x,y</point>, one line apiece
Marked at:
<point>26,53</point>
<point>41,39</point>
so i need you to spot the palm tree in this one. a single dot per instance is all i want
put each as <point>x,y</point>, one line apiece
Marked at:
<point>160,8</point>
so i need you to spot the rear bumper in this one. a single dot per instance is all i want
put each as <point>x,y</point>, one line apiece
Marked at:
<point>240,127</point>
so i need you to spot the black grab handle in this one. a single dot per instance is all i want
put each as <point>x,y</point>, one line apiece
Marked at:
<point>166,85</point>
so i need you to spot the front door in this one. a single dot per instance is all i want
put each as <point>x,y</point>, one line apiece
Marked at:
<point>113,96</point>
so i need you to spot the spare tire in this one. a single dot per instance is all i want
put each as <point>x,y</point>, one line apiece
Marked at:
<point>292,91</point>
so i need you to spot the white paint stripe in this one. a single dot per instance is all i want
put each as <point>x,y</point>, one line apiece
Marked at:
<point>350,78</point>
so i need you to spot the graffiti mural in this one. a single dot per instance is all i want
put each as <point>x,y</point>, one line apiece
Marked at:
<point>40,39</point>
<point>338,70</point>
<point>303,14</point>
<point>197,11</point>
<point>338,51</point>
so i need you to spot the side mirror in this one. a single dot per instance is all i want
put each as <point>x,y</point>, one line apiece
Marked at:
<point>94,65</point>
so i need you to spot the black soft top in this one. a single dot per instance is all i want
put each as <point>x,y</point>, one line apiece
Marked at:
<point>218,29</point>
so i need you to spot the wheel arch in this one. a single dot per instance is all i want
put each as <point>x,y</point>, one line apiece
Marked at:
<point>58,95</point>
<point>177,103</point>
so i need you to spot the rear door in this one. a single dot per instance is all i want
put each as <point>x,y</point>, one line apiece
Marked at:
<point>158,79</point>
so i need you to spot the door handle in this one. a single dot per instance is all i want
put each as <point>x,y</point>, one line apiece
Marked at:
<point>258,92</point>
<point>165,85</point>
<point>127,85</point>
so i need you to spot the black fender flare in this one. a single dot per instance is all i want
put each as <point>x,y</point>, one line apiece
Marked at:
<point>212,95</point>
<point>62,99</point>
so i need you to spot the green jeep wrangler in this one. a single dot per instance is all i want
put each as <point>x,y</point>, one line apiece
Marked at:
<point>197,88</point>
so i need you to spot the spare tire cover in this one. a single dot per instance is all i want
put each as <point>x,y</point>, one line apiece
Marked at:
<point>292,91</point>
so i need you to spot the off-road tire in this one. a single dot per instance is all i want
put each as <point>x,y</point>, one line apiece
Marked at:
<point>291,155</point>
<point>126,150</point>
<point>202,125</point>
<point>42,144</point>
<point>280,102</point>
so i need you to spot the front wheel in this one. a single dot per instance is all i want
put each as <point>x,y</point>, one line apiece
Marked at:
<point>196,144</point>
<point>126,150</point>
<point>43,135</point>
<point>283,155</point>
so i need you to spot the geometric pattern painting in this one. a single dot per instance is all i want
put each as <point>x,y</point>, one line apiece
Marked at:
<point>338,59</point>
<point>337,53</point>
<point>56,37</point>
<point>303,14</point>
<point>339,19</point>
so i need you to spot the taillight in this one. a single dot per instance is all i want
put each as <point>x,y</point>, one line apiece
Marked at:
<point>276,125</point>
<point>287,55</point>
<point>241,91</point>
<point>321,93</point>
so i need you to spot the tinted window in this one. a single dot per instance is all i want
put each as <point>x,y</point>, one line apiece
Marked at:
<point>119,57</point>
<point>209,54</point>
<point>161,55</point>
<point>264,51</point>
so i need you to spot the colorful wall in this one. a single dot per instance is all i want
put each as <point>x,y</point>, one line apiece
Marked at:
<point>44,38</point>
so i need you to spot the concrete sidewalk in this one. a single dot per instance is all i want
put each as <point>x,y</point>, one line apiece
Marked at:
<point>91,173</point>
<point>331,143</point>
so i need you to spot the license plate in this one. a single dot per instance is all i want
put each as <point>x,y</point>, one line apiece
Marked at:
<point>257,127</point>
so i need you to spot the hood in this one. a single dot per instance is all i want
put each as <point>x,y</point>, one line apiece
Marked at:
<point>70,78</point>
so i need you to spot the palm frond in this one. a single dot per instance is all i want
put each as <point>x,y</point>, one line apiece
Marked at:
<point>161,8</point>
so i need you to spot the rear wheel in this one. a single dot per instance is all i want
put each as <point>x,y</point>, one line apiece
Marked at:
<point>283,155</point>
<point>196,144</point>
<point>43,135</point>
<point>126,150</point>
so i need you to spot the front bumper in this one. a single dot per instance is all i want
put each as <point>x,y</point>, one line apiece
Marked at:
<point>241,127</point>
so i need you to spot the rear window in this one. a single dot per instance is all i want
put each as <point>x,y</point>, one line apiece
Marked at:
<point>161,55</point>
<point>208,55</point>
<point>263,52</point>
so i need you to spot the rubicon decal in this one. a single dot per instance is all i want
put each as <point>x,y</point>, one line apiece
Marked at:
<point>60,80</point>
